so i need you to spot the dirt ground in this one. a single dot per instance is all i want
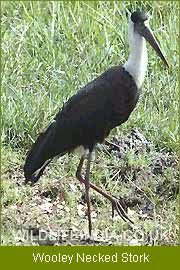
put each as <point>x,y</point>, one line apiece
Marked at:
<point>54,212</point>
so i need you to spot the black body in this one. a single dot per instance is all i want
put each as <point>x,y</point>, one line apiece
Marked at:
<point>86,119</point>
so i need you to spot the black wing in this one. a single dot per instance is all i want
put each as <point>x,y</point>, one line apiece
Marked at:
<point>85,119</point>
<point>88,116</point>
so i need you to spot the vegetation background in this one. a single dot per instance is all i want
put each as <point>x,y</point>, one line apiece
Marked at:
<point>50,49</point>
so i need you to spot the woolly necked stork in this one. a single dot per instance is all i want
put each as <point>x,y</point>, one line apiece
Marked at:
<point>88,117</point>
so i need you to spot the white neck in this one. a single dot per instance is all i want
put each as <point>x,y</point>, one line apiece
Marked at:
<point>137,62</point>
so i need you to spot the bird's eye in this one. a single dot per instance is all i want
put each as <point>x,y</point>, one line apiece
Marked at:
<point>140,24</point>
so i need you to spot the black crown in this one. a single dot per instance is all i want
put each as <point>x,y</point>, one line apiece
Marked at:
<point>138,16</point>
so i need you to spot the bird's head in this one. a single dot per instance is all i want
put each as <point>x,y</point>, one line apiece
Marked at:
<point>139,26</point>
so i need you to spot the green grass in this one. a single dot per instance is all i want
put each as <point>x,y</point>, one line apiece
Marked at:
<point>49,51</point>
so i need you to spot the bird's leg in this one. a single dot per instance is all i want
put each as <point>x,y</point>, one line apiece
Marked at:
<point>116,203</point>
<point>112,212</point>
<point>87,187</point>
<point>79,170</point>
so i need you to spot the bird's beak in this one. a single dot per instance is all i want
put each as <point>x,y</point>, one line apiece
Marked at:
<point>146,32</point>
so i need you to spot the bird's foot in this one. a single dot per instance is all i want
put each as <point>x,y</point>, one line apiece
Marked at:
<point>120,206</point>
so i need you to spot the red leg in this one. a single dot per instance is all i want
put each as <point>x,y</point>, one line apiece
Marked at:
<point>87,187</point>
<point>116,203</point>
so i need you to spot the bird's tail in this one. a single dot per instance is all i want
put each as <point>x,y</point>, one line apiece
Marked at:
<point>41,153</point>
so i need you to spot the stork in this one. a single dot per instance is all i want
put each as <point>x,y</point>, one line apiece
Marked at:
<point>88,117</point>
